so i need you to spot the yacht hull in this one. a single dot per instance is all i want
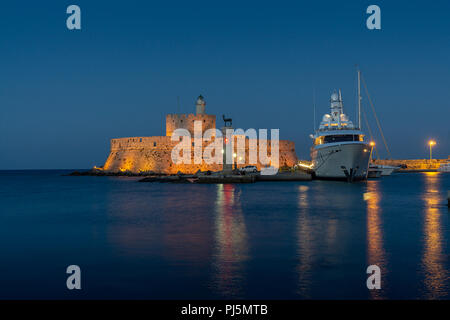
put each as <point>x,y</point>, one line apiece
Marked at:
<point>348,161</point>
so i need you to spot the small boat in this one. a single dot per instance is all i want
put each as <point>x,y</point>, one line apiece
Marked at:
<point>444,167</point>
<point>385,170</point>
<point>374,172</point>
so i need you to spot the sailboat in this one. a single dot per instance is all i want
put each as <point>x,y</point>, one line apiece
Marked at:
<point>377,170</point>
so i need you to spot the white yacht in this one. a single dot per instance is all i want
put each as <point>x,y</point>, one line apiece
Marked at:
<point>339,150</point>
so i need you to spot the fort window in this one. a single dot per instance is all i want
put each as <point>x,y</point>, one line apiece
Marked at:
<point>140,140</point>
<point>154,144</point>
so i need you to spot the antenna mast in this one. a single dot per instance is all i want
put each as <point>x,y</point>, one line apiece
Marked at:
<point>359,99</point>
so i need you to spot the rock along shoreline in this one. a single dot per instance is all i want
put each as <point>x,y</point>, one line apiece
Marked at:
<point>200,177</point>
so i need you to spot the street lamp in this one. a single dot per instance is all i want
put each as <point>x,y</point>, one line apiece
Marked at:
<point>235,161</point>
<point>431,143</point>
<point>372,144</point>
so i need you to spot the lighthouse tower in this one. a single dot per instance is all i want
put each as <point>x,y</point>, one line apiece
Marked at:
<point>200,105</point>
<point>187,121</point>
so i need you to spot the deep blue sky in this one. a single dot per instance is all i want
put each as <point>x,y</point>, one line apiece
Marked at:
<point>64,94</point>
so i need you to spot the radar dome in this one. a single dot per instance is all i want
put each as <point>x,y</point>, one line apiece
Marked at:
<point>334,97</point>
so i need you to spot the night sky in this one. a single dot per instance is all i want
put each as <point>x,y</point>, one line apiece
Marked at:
<point>64,94</point>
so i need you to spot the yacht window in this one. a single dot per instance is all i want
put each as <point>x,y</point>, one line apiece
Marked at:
<point>341,138</point>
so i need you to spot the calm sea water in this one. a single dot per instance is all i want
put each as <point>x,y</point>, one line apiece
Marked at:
<point>289,240</point>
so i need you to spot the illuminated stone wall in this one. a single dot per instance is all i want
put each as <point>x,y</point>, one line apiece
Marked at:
<point>186,121</point>
<point>153,154</point>
<point>414,164</point>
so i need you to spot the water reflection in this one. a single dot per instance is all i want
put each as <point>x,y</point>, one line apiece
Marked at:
<point>376,254</point>
<point>333,239</point>
<point>435,273</point>
<point>126,228</point>
<point>305,243</point>
<point>231,243</point>
<point>156,223</point>
<point>186,228</point>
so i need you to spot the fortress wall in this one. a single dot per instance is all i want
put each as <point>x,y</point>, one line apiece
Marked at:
<point>186,121</point>
<point>144,154</point>
<point>288,156</point>
<point>138,143</point>
<point>138,154</point>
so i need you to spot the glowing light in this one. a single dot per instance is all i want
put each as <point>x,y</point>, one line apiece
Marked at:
<point>431,143</point>
<point>372,143</point>
<point>234,155</point>
<point>309,166</point>
<point>368,195</point>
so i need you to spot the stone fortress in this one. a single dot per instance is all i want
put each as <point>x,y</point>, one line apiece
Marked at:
<point>153,154</point>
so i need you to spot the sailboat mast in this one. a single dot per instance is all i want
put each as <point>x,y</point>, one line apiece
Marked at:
<point>359,99</point>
